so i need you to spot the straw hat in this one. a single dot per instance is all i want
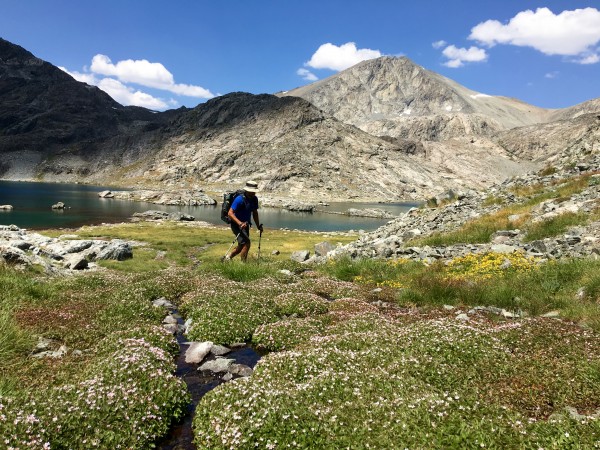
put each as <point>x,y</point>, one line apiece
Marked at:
<point>251,186</point>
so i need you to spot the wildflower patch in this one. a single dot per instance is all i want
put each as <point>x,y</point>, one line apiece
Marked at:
<point>126,399</point>
<point>300,304</point>
<point>289,333</point>
<point>484,266</point>
<point>430,383</point>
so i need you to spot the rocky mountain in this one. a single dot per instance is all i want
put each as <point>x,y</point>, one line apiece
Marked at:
<point>395,97</point>
<point>50,122</point>
<point>385,129</point>
<point>591,106</point>
<point>291,146</point>
<point>545,142</point>
<point>470,136</point>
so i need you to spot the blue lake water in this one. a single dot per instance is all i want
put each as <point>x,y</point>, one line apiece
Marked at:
<point>32,209</point>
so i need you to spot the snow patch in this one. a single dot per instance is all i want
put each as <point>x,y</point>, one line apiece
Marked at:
<point>407,112</point>
<point>448,108</point>
<point>479,96</point>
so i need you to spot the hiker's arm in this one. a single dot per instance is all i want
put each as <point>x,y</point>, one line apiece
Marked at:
<point>256,220</point>
<point>235,220</point>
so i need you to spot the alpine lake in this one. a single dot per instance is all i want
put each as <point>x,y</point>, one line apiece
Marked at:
<point>32,209</point>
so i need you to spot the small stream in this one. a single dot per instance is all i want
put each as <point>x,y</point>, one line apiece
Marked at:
<point>199,383</point>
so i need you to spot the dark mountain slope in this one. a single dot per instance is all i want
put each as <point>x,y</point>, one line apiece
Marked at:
<point>44,110</point>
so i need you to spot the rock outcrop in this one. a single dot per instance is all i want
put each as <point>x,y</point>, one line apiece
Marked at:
<point>393,240</point>
<point>183,197</point>
<point>61,255</point>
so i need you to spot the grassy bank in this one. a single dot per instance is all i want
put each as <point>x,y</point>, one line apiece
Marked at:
<point>361,354</point>
<point>517,216</point>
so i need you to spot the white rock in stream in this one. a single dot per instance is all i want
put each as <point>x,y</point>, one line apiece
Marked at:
<point>217,365</point>
<point>219,350</point>
<point>197,351</point>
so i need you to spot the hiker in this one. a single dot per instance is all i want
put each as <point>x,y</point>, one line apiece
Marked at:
<point>243,207</point>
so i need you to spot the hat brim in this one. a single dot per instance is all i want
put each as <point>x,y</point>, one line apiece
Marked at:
<point>255,190</point>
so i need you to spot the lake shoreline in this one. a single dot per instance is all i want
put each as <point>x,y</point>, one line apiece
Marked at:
<point>217,193</point>
<point>32,203</point>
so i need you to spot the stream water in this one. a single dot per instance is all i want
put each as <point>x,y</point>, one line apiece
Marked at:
<point>199,383</point>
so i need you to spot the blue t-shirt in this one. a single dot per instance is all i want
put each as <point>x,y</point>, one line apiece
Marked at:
<point>243,207</point>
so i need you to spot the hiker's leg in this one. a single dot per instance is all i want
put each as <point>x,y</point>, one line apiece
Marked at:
<point>237,250</point>
<point>245,250</point>
<point>240,239</point>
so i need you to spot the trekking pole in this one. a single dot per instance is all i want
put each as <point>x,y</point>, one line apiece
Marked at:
<point>229,249</point>
<point>259,239</point>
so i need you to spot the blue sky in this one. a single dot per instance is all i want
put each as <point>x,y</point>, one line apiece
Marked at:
<point>164,55</point>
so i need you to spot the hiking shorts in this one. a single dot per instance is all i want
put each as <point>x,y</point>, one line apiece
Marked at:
<point>242,237</point>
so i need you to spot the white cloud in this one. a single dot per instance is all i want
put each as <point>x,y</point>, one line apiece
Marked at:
<point>458,56</point>
<point>551,75</point>
<point>121,93</point>
<point>145,73</point>
<point>307,74</point>
<point>83,77</point>
<point>570,33</point>
<point>330,56</point>
<point>591,58</point>
<point>128,96</point>
<point>438,44</point>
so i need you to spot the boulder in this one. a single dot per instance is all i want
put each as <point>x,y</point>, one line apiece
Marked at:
<point>180,216</point>
<point>77,246</point>
<point>6,207</point>
<point>322,248</point>
<point>217,365</point>
<point>62,351</point>
<point>106,194</point>
<point>172,328</point>
<point>13,255</point>
<point>21,245</point>
<point>197,351</point>
<point>219,350</point>
<point>59,205</point>
<point>152,215</point>
<point>170,319</point>
<point>300,255</point>
<point>503,248</point>
<point>117,250</point>
<point>163,303</point>
<point>241,370</point>
<point>75,262</point>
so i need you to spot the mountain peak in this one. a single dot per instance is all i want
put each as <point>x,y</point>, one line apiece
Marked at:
<point>380,88</point>
<point>396,89</point>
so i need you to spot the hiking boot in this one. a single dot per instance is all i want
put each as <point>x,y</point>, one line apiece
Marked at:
<point>225,258</point>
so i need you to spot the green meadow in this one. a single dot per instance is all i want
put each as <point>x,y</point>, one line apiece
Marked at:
<point>357,353</point>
